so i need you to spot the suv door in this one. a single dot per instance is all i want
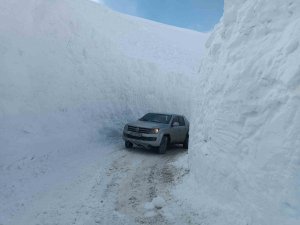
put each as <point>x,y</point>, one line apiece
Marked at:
<point>183,129</point>
<point>178,133</point>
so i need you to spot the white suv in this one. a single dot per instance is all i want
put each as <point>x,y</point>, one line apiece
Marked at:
<point>157,130</point>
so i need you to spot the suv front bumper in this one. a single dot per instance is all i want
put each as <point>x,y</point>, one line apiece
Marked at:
<point>146,140</point>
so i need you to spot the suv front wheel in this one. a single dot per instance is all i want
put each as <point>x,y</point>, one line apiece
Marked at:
<point>128,144</point>
<point>163,145</point>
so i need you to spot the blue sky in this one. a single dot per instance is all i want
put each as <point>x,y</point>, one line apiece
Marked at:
<point>200,15</point>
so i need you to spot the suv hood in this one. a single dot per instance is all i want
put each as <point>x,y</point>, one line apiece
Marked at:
<point>146,124</point>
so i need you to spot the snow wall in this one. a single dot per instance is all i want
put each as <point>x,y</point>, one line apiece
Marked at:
<point>72,73</point>
<point>245,133</point>
<point>78,64</point>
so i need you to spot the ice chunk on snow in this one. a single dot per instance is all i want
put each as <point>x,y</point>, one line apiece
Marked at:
<point>158,202</point>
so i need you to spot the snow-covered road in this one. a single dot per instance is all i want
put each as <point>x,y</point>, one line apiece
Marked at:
<point>138,187</point>
<point>135,188</point>
<point>120,187</point>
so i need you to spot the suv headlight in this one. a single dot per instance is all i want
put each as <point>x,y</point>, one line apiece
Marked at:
<point>155,131</point>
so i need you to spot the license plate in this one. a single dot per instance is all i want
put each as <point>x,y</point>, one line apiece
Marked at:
<point>136,134</point>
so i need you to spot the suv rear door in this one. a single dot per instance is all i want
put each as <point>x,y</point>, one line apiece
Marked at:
<point>178,133</point>
<point>182,130</point>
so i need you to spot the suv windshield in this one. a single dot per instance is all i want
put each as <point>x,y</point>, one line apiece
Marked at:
<point>156,118</point>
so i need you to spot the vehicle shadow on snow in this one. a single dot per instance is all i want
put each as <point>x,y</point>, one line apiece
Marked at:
<point>171,151</point>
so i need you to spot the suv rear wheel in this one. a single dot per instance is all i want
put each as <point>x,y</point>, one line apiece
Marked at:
<point>186,142</point>
<point>163,145</point>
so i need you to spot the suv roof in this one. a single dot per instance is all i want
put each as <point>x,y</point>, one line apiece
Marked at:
<point>171,114</point>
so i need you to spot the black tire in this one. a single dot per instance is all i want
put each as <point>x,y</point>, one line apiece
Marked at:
<point>186,142</point>
<point>128,144</point>
<point>163,145</point>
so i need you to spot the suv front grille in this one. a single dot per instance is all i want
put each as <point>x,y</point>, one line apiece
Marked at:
<point>140,130</point>
<point>140,138</point>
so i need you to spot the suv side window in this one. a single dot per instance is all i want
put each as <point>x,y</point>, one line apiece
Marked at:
<point>175,119</point>
<point>181,121</point>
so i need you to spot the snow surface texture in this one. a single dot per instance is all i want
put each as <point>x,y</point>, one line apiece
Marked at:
<point>72,73</point>
<point>245,154</point>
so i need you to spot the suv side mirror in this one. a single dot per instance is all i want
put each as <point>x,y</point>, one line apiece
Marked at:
<point>175,124</point>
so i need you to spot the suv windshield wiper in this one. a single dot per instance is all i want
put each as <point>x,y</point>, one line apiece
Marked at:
<point>156,121</point>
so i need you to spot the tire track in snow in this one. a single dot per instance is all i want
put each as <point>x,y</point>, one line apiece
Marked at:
<point>134,179</point>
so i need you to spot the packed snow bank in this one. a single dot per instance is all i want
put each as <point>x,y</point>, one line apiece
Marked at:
<point>245,133</point>
<point>62,55</point>
<point>72,72</point>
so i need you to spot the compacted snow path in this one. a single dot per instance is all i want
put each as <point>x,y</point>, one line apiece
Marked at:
<point>135,189</point>
<point>118,186</point>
